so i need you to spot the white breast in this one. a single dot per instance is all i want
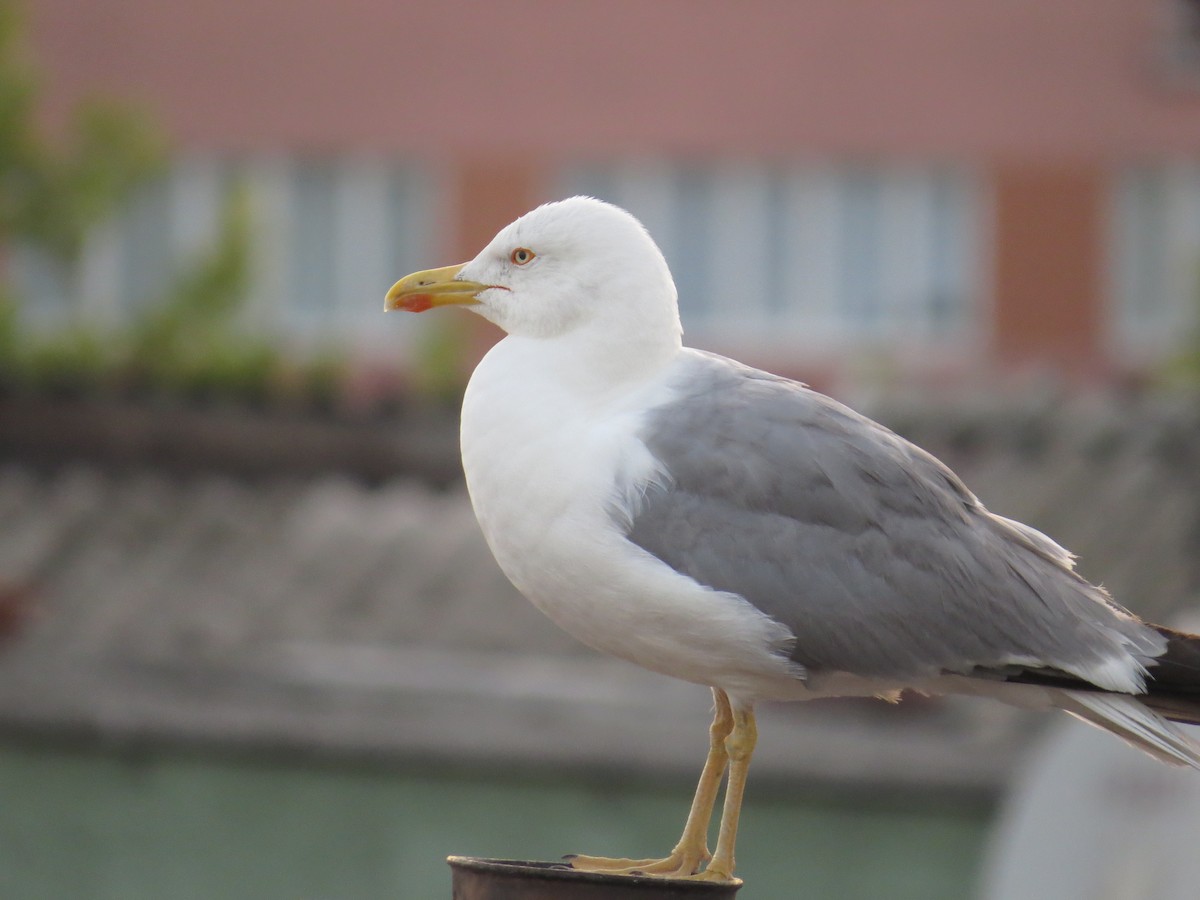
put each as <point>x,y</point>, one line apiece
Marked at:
<point>554,472</point>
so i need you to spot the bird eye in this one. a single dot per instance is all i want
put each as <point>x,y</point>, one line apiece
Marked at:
<point>521,256</point>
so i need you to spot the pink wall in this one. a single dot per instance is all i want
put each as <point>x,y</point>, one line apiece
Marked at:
<point>539,79</point>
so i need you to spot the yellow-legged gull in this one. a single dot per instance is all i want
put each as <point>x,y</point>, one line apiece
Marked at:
<point>720,524</point>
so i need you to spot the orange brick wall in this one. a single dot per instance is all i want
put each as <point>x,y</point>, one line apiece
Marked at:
<point>1048,265</point>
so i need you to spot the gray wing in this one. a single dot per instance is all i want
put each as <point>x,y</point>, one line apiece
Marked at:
<point>870,550</point>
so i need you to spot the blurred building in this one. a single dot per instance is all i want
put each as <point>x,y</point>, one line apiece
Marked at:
<point>937,187</point>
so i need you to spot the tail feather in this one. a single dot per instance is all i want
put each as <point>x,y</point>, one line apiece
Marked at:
<point>1129,719</point>
<point>1177,709</point>
<point>1172,679</point>
<point>1145,721</point>
<point>1124,715</point>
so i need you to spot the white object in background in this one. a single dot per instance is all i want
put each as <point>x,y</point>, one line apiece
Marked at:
<point>1093,819</point>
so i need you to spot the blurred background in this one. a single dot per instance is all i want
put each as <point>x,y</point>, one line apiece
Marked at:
<point>251,642</point>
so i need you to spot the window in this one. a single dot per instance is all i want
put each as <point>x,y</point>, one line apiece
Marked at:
<point>312,251</point>
<point>1156,257</point>
<point>808,253</point>
<point>329,237</point>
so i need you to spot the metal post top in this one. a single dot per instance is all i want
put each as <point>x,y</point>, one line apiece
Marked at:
<point>513,879</point>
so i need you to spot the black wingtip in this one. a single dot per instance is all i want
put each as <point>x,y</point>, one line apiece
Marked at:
<point>1178,668</point>
<point>1173,680</point>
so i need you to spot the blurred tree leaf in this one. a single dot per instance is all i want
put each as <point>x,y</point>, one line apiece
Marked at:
<point>20,147</point>
<point>191,341</point>
<point>1182,369</point>
<point>113,151</point>
<point>10,335</point>
<point>71,361</point>
<point>52,193</point>
<point>205,296</point>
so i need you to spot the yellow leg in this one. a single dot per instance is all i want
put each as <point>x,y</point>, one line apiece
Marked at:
<point>692,849</point>
<point>740,746</point>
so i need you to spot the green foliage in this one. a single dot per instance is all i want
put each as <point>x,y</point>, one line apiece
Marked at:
<point>190,342</point>
<point>19,143</point>
<point>10,335</point>
<point>1182,370</point>
<point>69,361</point>
<point>440,362</point>
<point>113,151</point>
<point>321,378</point>
<point>53,192</point>
<point>193,343</point>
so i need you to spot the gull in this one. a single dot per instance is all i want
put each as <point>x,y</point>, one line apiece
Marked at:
<point>735,529</point>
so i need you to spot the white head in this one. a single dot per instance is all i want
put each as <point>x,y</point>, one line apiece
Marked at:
<point>576,264</point>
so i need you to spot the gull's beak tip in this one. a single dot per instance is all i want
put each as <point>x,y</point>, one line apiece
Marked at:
<point>433,287</point>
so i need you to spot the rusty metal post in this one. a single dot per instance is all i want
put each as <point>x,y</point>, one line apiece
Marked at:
<point>510,879</point>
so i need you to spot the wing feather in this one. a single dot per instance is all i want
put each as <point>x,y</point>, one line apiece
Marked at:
<point>870,550</point>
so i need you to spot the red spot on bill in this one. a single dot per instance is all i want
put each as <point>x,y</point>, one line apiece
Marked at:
<point>417,302</point>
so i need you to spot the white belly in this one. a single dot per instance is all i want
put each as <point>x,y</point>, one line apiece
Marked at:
<point>550,478</point>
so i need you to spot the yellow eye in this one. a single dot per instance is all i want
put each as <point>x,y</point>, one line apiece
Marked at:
<point>521,256</point>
